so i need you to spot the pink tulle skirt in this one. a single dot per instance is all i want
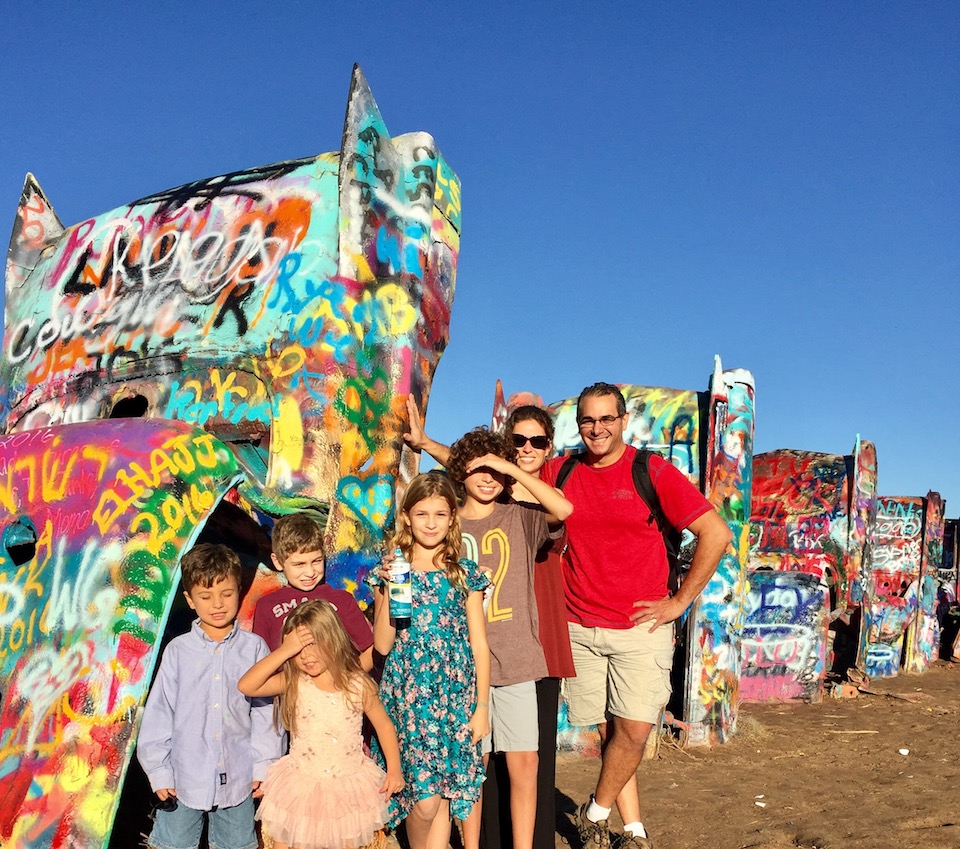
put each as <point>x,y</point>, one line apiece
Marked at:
<point>307,810</point>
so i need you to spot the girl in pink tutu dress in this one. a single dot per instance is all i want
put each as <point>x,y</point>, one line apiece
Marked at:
<point>325,794</point>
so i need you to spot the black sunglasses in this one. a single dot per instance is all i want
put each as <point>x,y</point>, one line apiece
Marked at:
<point>538,442</point>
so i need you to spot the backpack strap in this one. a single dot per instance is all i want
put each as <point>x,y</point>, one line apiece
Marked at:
<point>644,487</point>
<point>671,536</point>
<point>566,469</point>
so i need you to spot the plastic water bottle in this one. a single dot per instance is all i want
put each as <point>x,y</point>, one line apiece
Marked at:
<point>401,588</point>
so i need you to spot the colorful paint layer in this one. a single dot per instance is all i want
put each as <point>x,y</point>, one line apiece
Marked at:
<point>288,309</point>
<point>891,598</point>
<point>279,316</point>
<point>95,518</point>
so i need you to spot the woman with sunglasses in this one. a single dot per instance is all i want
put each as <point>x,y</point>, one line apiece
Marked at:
<point>530,429</point>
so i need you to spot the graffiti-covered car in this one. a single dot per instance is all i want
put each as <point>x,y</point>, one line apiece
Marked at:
<point>218,354</point>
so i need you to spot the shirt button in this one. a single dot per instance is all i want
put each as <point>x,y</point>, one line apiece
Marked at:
<point>216,677</point>
<point>217,706</point>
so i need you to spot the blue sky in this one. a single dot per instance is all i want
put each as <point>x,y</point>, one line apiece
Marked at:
<point>644,184</point>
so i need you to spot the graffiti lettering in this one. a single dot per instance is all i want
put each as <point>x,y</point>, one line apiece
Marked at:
<point>181,455</point>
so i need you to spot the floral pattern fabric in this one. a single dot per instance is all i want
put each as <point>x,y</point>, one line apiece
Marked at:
<point>429,690</point>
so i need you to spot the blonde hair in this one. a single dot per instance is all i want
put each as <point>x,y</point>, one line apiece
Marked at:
<point>447,558</point>
<point>333,643</point>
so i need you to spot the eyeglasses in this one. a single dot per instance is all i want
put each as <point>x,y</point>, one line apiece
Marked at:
<point>538,442</point>
<point>586,422</point>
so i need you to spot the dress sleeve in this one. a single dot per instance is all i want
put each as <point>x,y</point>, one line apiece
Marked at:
<point>477,581</point>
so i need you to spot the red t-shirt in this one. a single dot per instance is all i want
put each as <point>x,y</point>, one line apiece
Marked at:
<point>273,608</point>
<point>615,555</point>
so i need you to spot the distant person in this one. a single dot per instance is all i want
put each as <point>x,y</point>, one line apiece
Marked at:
<point>298,553</point>
<point>619,610</point>
<point>504,536</point>
<point>530,429</point>
<point>204,746</point>
<point>436,675</point>
<point>326,794</point>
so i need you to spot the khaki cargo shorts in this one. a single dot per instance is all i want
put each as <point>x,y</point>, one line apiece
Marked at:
<point>623,672</point>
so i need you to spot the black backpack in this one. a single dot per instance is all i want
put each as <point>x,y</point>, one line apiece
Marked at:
<point>644,487</point>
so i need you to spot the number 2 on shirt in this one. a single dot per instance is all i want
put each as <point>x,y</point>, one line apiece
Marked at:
<point>495,612</point>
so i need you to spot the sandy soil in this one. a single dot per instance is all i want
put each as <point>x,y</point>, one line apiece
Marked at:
<point>801,776</point>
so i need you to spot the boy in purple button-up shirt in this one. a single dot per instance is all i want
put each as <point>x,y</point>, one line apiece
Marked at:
<point>203,745</point>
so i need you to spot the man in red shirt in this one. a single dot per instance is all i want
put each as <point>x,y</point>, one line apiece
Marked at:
<point>619,610</point>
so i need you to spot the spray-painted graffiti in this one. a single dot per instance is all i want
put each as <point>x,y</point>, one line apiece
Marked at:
<point>863,517</point>
<point>799,514</point>
<point>922,641</point>
<point>783,647</point>
<point>811,514</point>
<point>947,573</point>
<point>95,519</point>
<point>288,310</point>
<point>713,629</point>
<point>892,591</point>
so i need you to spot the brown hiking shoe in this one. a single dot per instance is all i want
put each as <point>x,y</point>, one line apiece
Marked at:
<point>593,835</point>
<point>630,841</point>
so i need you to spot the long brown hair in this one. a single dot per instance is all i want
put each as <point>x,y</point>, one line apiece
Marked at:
<point>321,620</point>
<point>447,558</point>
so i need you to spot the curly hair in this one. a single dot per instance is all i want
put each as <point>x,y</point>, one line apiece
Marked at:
<point>206,563</point>
<point>333,643</point>
<point>295,534</point>
<point>447,557</point>
<point>476,443</point>
<point>529,413</point>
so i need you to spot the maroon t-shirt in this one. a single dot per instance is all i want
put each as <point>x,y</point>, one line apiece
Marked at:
<point>273,608</point>
<point>548,586</point>
<point>615,556</point>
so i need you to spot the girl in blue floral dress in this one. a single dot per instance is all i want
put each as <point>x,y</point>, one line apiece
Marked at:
<point>436,677</point>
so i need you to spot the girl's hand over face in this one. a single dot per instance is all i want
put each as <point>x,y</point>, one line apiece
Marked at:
<point>292,643</point>
<point>392,783</point>
<point>479,724</point>
<point>305,636</point>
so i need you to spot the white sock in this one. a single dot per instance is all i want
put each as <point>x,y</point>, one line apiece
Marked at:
<point>595,813</point>
<point>635,828</point>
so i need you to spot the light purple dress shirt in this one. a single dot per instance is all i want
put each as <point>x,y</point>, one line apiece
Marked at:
<point>199,734</point>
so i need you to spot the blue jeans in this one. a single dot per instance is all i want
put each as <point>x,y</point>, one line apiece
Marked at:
<point>230,828</point>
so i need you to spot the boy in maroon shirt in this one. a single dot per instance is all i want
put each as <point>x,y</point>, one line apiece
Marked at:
<point>298,553</point>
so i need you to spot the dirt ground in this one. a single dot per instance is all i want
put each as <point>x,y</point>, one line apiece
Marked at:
<point>877,771</point>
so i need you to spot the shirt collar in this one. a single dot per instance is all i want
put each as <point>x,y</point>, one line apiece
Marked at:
<point>206,637</point>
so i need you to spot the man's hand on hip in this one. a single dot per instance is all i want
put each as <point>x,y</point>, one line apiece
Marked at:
<point>657,613</point>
